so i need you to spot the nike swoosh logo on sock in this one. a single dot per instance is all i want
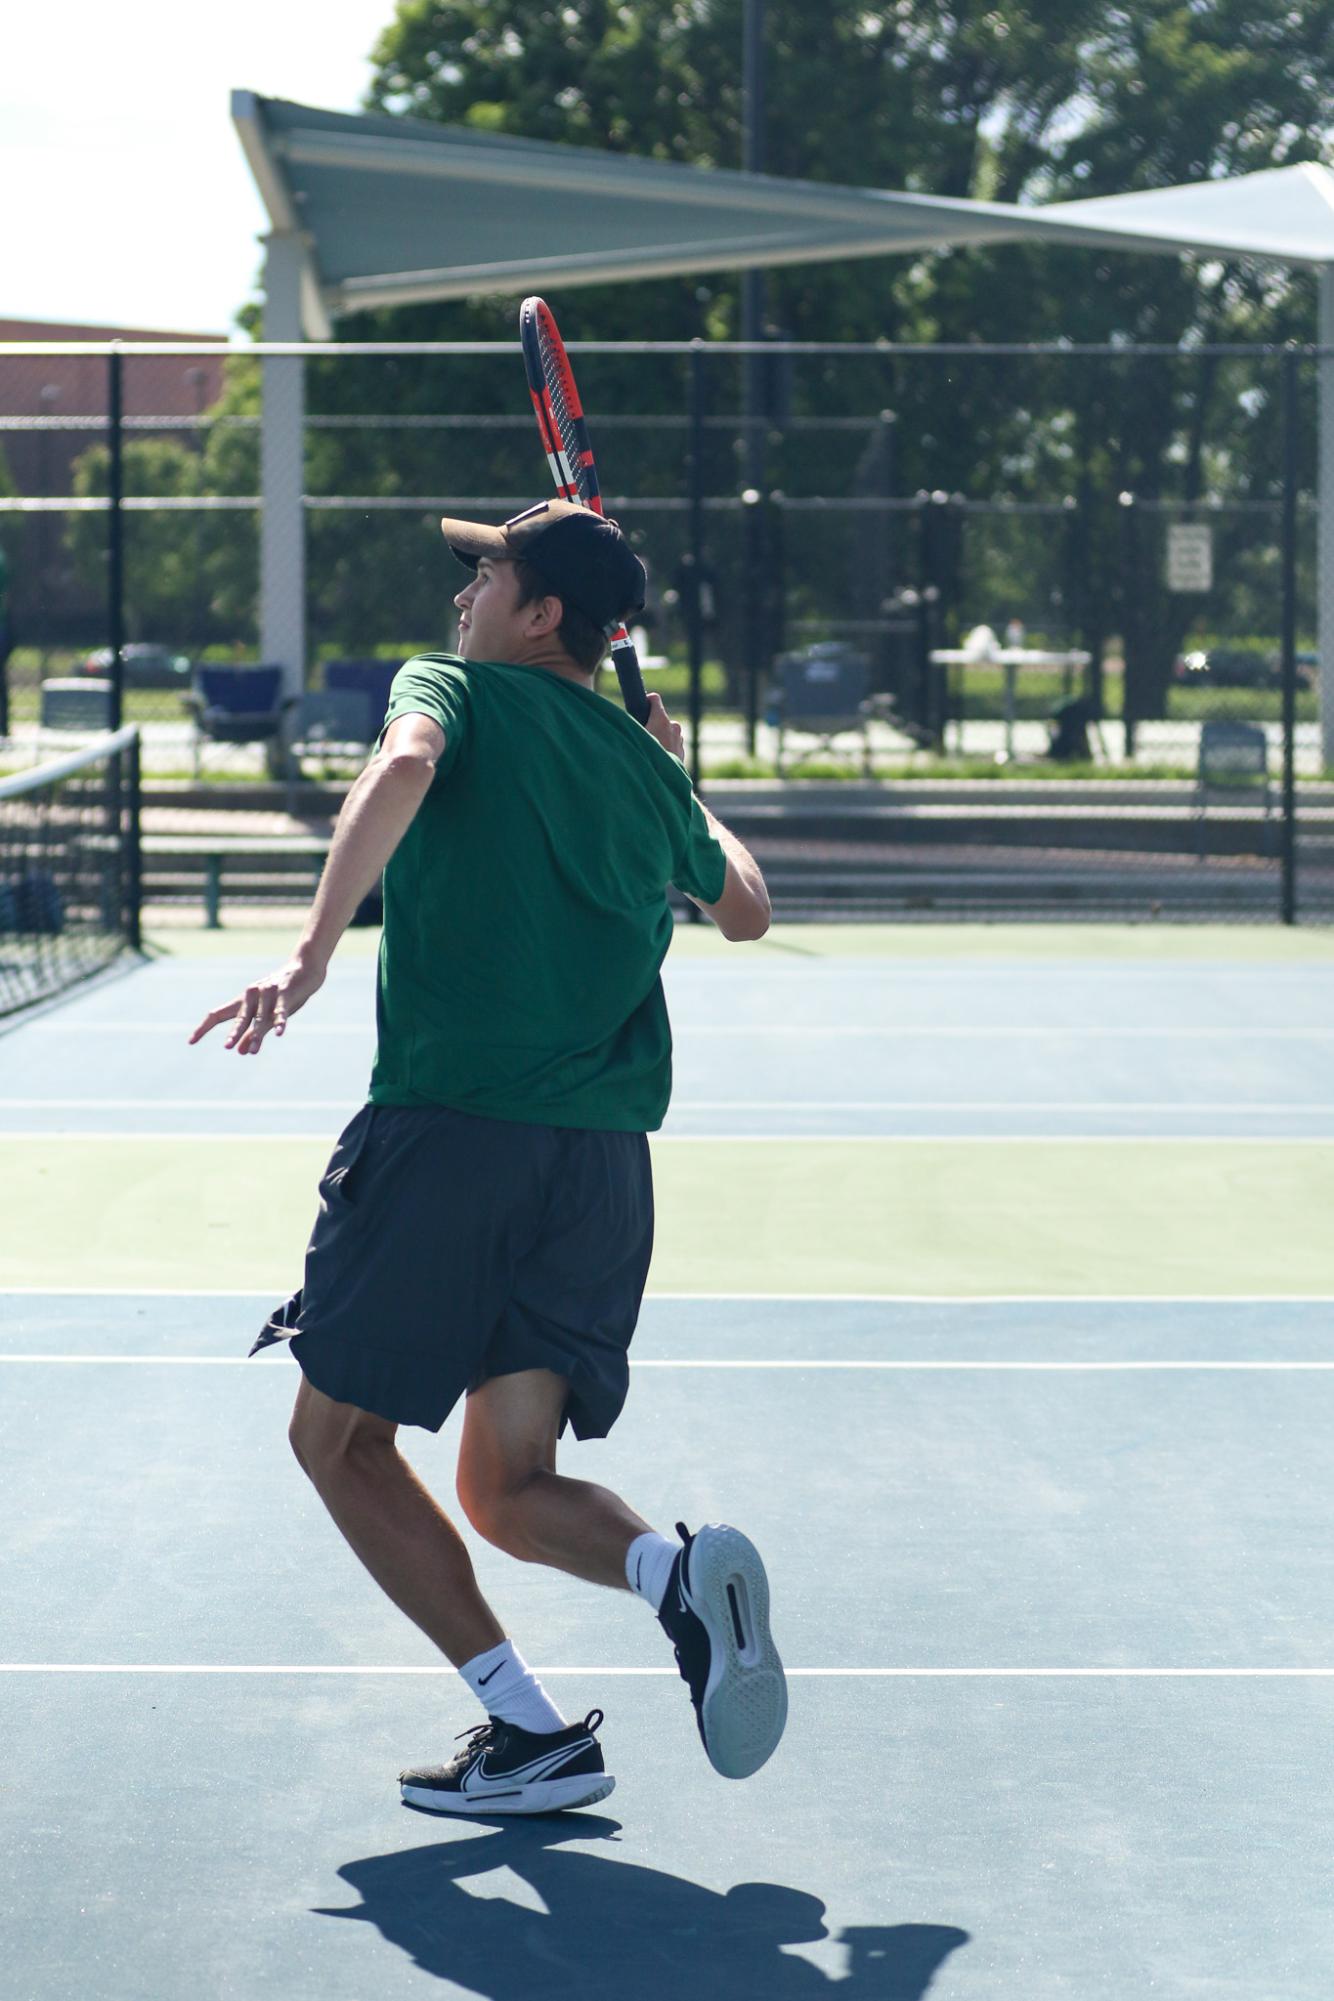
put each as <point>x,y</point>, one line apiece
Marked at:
<point>483,1679</point>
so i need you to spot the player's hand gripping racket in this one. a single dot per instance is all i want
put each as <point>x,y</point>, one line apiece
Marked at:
<point>560,420</point>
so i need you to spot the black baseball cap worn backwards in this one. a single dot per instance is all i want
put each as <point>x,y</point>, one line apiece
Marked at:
<point>583,556</point>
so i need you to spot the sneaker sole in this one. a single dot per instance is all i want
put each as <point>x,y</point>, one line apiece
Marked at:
<point>744,1709</point>
<point>550,1796</point>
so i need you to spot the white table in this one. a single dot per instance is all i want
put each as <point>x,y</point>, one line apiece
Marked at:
<point>1011,659</point>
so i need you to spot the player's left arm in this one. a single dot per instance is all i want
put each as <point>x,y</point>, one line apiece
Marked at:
<point>379,809</point>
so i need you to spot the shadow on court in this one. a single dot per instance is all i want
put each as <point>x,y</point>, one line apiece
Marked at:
<point>612,1929</point>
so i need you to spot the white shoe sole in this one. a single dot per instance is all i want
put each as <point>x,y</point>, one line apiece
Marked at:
<point>745,1698</point>
<point>546,1796</point>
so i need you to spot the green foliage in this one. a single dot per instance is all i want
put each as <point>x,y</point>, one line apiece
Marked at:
<point>1039,100</point>
<point>162,570</point>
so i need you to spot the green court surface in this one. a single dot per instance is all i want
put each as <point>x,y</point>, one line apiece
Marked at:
<point>818,1216</point>
<point>990,1296</point>
<point>1144,942</point>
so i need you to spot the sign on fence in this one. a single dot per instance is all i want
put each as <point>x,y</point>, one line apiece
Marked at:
<point>1190,556</point>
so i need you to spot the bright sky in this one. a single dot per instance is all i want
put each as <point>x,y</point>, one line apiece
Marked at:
<point>128,201</point>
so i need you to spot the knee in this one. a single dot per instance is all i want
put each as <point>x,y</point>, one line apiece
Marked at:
<point>496,1509</point>
<point>329,1451</point>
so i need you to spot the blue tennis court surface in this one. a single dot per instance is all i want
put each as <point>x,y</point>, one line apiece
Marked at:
<point>1053,1575</point>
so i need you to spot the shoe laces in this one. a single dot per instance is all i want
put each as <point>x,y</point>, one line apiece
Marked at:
<point>686,1540</point>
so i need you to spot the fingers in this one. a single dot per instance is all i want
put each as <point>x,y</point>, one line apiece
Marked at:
<point>252,1015</point>
<point>212,1019</point>
<point>255,1020</point>
<point>669,734</point>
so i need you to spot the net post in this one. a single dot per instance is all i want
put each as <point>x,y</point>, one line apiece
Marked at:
<point>115,532</point>
<point>1288,638</point>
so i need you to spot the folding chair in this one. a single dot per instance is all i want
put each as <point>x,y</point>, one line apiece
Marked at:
<point>237,705</point>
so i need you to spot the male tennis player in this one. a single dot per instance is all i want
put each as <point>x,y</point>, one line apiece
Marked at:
<point>485,1221</point>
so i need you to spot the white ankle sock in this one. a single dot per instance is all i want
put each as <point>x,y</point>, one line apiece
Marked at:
<point>508,1689</point>
<point>648,1565</point>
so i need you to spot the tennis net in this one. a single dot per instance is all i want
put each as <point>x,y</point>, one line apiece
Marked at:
<point>69,869</point>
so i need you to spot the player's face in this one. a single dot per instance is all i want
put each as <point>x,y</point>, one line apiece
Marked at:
<point>490,624</point>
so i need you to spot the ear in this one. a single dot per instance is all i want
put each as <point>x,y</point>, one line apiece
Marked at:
<point>544,616</point>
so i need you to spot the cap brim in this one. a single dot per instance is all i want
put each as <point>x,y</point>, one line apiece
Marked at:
<point>471,540</point>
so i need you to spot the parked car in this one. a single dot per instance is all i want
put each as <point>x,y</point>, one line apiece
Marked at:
<point>1238,667</point>
<point>144,666</point>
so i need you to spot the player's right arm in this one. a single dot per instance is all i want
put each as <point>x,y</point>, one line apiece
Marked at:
<point>742,911</point>
<point>377,812</point>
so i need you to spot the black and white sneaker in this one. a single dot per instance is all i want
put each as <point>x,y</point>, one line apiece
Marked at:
<point>503,1769</point>
<point>716,1615</point>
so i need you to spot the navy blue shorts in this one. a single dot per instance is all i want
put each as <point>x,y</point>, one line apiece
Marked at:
<point>449,1249</point>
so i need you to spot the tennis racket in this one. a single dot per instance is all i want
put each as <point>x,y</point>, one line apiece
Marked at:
<point>564,434</point>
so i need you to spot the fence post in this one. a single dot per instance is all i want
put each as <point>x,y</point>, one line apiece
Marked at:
<point>695,564</point>
<point>134,872</point>
<point>1288,642</point>
<point>755,602</point>
<point>115,534</point>
<point>1130,621</point>
<point>933,697</point>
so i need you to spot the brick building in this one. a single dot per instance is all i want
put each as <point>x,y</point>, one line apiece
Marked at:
<point>65,387</point>
<point>53,408</point>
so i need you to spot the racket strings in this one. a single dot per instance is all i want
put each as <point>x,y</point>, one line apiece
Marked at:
<point>566,424</point>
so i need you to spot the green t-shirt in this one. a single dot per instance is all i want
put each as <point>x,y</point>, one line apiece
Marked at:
<point>525,909</point>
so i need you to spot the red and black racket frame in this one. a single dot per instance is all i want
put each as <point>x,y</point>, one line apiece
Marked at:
<point>569,454</point>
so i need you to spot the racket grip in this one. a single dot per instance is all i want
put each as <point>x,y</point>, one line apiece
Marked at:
<point>626,662</point>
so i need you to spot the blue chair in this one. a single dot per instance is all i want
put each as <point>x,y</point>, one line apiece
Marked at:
<point>1234,768</point>
<point>823,691</point>
<point>369,678</point>
<point>335,728</point>
<point>237,705</point>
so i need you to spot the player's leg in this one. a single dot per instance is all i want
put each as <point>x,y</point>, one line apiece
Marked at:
<point>406,1541</point>
<point>711,1596</point>
<point>513,1495</point>
<point>524,1758</point>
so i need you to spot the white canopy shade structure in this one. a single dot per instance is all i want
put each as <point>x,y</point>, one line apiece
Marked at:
<point>370,211</point>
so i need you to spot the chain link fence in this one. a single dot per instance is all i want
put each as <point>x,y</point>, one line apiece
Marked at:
<point>957,630</point>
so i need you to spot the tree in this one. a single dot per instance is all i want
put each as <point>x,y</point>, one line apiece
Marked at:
<point>1038,100</point>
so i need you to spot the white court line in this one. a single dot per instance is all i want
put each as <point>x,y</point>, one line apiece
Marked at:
<point>1039,1299</point>
<point>219,1104</point>
<point>625,1673</point>
<point>1291,1108</point>
<point>978,1032</point>
<point>647,1362</point>
<point>163,1134</point>
<point>182,1029</point>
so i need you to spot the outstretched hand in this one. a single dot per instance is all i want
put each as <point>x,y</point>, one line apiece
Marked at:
<point>660,725</point>
<point>264,1006</point>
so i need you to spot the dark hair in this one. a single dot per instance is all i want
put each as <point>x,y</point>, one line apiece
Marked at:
<point>585,642</point>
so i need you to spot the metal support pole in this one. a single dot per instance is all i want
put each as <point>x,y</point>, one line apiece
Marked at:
<point>695,565</point>
<point>752,160</point>
<point>1288,637</point>
<point>134,864</point>
<point>115,534</point>
<point>753,375</point>
<point>1130,621</point>
<point>1325,513</point>
<point>890,546</point>
<point>754,584</point>
<point>282,549</point>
